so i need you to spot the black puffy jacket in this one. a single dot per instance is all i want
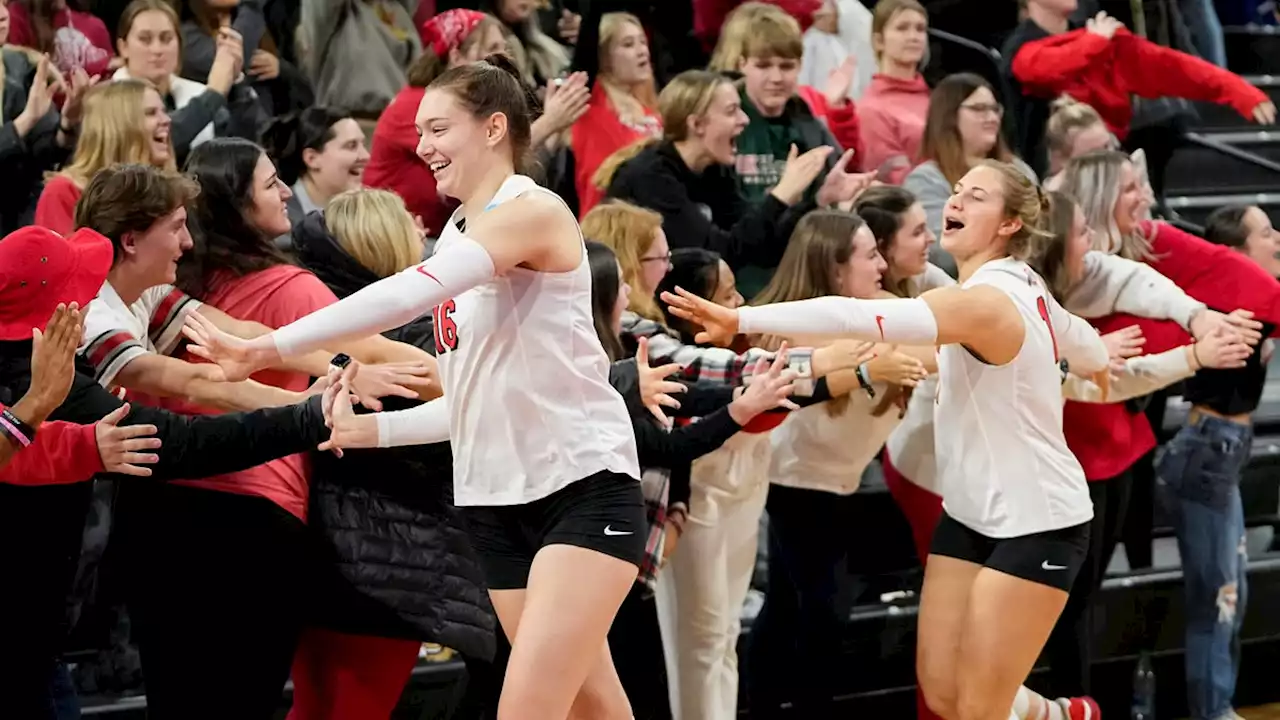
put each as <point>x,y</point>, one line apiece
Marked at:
<point>404,566</point>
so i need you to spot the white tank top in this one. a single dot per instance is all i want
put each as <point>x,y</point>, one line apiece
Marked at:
<point>1003,463</point>
<point>528,383</point>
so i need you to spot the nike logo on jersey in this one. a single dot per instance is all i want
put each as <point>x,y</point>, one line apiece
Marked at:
<point>608,530</point>
<point>880,325</point>
<point>1046,566</point>
<point>433,277</point>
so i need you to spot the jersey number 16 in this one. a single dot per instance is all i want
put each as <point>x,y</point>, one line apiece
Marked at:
<point>446,330</point>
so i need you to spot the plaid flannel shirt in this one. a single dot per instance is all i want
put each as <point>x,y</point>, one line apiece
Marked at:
<point>715,365</point>
<point>655,485</point>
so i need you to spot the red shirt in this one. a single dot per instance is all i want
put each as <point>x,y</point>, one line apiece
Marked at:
<point>1107,73</point>
<point>274,297</point>
<point>893,114</point>
<point>598,134</point>
<point>62,453</point>
<point>80,40</point>
<point>56,208</point>
<point>1108,438</point>
<point>394,163</point>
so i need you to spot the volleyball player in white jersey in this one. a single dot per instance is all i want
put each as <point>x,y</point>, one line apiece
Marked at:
<point>545,467</point>
<point>1016,505</point>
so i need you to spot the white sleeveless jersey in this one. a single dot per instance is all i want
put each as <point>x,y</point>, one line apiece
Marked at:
<point>1003,464</point>
<point>531,407</point>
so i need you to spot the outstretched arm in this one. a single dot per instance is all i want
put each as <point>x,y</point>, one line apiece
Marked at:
<point>983,318</point>
<point>531,230</point>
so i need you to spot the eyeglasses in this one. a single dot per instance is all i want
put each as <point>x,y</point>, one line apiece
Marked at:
<point>657,258</point>
<point>984,108</point>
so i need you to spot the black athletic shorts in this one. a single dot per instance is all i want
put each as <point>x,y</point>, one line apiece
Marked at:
<point>1050,558</point>
<point>604,512</point>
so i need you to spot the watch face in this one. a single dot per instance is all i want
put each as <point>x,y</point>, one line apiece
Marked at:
<point>341,360</point>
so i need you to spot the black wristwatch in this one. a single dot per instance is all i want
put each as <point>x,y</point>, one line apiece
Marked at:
<point>340,361</point>
<point>1065,368</point>
<point>865,381</point>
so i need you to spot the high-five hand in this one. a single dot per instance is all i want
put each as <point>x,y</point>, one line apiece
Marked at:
<point>720,323</point>
<point>123,447</point>
<point>655,390</point>
<point>238,358</point>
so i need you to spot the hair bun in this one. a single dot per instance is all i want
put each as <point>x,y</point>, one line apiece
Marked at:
<point>504,62</point>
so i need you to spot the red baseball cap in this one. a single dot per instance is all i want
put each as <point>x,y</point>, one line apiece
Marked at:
<point>40,269</point>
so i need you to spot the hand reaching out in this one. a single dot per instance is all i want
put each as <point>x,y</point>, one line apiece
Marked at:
<point>1123,344</point>
<point>720,323</point>
<point>655,390</point>
<point>53,359</point>
<point>123,448</point>
<point>1221,349</point>
<point>771,386</point>
<point>1239,322</point>
<point>1265,113</point>
<point>370,382</point>
<point>897,368</point>
<point>238,358</point>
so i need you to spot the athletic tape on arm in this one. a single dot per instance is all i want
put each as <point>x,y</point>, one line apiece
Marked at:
<point>908,321</point>
<point>422,425</point>
<point>391,302</point>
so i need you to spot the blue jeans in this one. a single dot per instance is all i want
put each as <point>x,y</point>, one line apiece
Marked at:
<point>66,704</point>
<point>1201,18</point>
<point>1198,479</point>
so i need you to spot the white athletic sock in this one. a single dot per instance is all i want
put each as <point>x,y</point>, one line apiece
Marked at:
<point>1030,705</point>
<point>393,301</point>
<point>908,320</point>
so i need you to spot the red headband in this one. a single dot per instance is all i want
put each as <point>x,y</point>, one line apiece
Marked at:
<point>446,31</point>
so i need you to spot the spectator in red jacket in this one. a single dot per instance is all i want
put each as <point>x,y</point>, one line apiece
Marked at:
<point>35,452</point>
<point>895,107</point>
<point>623,106</point>
<point>74,39</point>
<point>1104,65</point>
<point>1109,439</point>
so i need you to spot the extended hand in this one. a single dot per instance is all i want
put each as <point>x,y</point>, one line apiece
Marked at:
<point>238,358</point>
<point>720,323</point>
<point>655,390</point>
<point>122,448</point>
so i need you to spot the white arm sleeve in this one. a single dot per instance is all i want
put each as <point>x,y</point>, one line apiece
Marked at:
<point>1078,342</point>
<point>1113,284</point>
<point>422,425</point>
<point>1142,375</point>
<point>391,302</point>
<point>907,321</point>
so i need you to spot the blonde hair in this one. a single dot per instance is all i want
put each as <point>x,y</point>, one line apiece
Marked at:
<point>688,95</point>
<point>735,35</point>
<point>113,131</point>
<point>884,13</point>
<point>1026,201</point>
<point>631,104</point>
<point>1068,117</point>
<point>773,34</point>
<point>1093,180</point>
<point>629,231</point>
<point>374,227</point>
